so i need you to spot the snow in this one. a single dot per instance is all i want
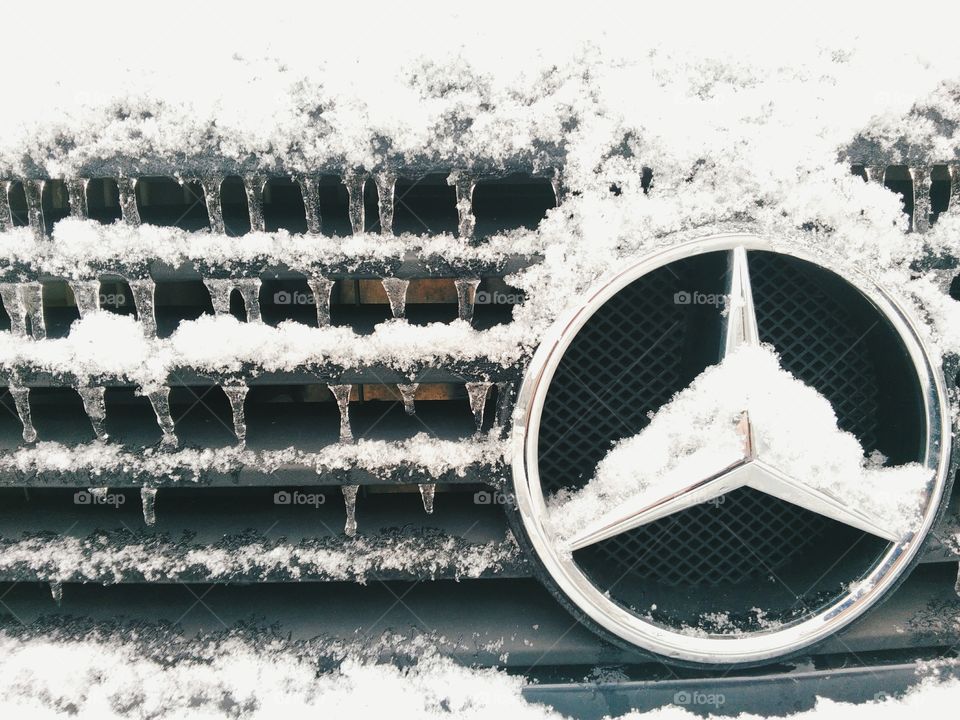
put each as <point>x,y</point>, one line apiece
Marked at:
<point>697,435</point>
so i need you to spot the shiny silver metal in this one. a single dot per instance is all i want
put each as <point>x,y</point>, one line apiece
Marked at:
<point>751,470</point>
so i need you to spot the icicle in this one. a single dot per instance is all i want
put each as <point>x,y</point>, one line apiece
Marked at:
<point>477,393</point>
<point>355,184</point>
<point>56,590</point>
<point>148,500</point>
<point>95,407</point>
<point>466,296</point>
<point>236,392</point>
<point>954,202</point>
<point>464,184</point>
<point>321,289</point>
<point>408,393</point>
<point>875,173</point>
<point>559,190</point>
<point>504,395</point>
<point>427,491</point>
<point>143,291</point>
<point>33,191</point>
<point>310,190</point>
<point>250,292</point>
<point>350,505</point>
<point>396,290</point>
<point>342,395</point>
<point>77,191</point>
<point>920,221</point>
<point>128,200</point>
<point>21,398</point>
<point>87,296</point>
<point>386,187</point>
<point>33,300</point>
<point>12,297</point>
<point>253,185</point>
<point>219,294</point>
<point>160,401</point>
<point>211,196</point>
<point>6,215</point>
<point>957,586</point>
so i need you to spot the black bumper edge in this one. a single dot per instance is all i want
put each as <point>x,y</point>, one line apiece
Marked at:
<point>777,694</point>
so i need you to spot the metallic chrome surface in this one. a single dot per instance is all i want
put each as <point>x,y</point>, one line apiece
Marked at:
<point>863,591</point>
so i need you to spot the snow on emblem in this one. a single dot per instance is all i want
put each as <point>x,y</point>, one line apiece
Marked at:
<point>743,422</point>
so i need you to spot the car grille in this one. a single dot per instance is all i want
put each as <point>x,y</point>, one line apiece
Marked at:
<point>252,530</point>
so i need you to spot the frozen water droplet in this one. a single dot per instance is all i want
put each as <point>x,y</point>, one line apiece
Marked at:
<point>355,184</point>
<point>310,190</point>
<point>33,300</point>
<point>160,400</point>
<point>143,291</point>
<point>219,294</point>
<point>397,295</point>
<point>56,591</point>
<point>350,505</point>
<point>409,393</point>
<point>556,182</point>
<point>386,187</point>
<point>148,500</point>
<point>95,407</point>
<point>211,195</point>
<point>920,218</point>
<point>236,393</point>
<point>87,295</point>
<point>128,200</point>
<point>33,191</point>
<point>21,398</point>
<point>253,185</point>
<point>427,492</point>
<point>477,392</point>
<point>12,296</point>
<point>464,185</point>
<point>77,192</point>
<point>342,395</point>
<point>321,289</point>
<point>466,295</point>
<point>250,292</point>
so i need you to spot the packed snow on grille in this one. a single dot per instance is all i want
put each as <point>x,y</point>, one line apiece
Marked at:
<point>746,128</point>
<point>700,434</point>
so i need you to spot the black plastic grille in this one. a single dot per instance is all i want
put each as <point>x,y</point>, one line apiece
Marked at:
<point>707,544</point>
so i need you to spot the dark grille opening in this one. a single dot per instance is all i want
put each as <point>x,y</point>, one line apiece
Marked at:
<point>371,206</point>
<point>18,204</point>
<point>202,416</point>
<point>425,206</point>
<point>10,426</point>
<point>237,307</point>
<point>289,299</point>
<point>116,297</point>
<point>640,348</point>
<point>164,201</point>
<point>4,317</point>
<point>59,308</point>
<point>178,301</point>
<point>283,206</point>
<point>898,180</point>
<point>511,202</point>
<point>55,202</point>
<point>58,416</point>
<point>955,288</point>
<point>103,200</point>
<point>130,418</point>
<point>494,302</point>
<point>334,206</point>
<point>233,205</point>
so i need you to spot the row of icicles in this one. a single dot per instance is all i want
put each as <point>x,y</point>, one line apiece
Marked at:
<point>23,302</point>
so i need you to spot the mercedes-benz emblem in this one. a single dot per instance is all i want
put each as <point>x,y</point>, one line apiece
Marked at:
<point>799,618</point>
